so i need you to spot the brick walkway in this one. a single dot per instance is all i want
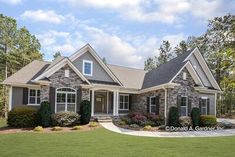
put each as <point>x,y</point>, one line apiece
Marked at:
<point>228,132</point>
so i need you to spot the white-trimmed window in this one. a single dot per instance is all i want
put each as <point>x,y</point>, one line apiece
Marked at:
<point>34,97</point>
<point>204,105</point>
<point>184,106</point>
<point>87,67</point>
<point>124,102</point>
<point>65,99</point>
<point>152,103</point>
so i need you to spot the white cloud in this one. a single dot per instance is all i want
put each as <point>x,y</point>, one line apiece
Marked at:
<point>11,2</point>
<point>165,11</point>
<point>43,16</point>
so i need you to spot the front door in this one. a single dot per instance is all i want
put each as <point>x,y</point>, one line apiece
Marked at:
<point>100,103</point>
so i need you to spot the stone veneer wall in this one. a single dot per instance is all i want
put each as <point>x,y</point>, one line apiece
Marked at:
<point>186,88</point>
<point>59,80</point>
<point>140,101</point>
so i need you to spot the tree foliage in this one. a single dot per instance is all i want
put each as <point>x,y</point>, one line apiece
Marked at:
<point>164,53</point>
<point>18,47</point>
<point>57,54</point>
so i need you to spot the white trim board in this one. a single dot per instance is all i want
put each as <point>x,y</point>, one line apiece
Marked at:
<point>58,66</point>
<point>88,48</point>
<point>204,66</point>
<point>83,67</point>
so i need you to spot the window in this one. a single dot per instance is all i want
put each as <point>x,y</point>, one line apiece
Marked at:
<point>184,106</point>
<point>66,73</point>
<point>152,107</point>
<point>65,100</point>
<point>87,67</point>
<point>124,102</point>
<point>34,96</point>
<point>204,106</point>
<point>184,76</point>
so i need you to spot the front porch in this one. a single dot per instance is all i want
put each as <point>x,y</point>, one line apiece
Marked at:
<point>109,103</point>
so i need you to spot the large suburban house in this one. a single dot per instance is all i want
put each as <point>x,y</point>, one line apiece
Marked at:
<point>185,81</point>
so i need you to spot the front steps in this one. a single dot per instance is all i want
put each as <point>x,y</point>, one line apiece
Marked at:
<point>103,119</point>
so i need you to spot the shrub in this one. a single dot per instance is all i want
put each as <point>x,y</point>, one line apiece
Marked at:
<point>148,127</point>
<point>65,119</point>
<point>23,117</point>
<point>173,117</point>
<point>45,114</point>
<point>38,129</point>
<point>134,126</point>
<point>139,119</point>
<point>207,120</point>
<point>157,119</point>
<point>122,122</point>
<point>133,114</point>
<point>57,128</point>
<point>126,119</point>
<point>195,115</point>
<point>77,127</point>
<point>85,111</point>
<point>185,121</point>
<point>93,124</point>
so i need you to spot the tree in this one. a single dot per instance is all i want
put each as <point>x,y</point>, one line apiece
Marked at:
<point>165,53</point>
<point>104,60</point>
<point>149,64</point>
<point>181,48</point>
<point>17,48</point>
<point>57,54</point>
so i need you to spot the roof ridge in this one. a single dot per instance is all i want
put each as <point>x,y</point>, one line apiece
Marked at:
<point>127,67</point>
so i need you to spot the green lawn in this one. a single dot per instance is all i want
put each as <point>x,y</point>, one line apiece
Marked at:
<point>101,142</point>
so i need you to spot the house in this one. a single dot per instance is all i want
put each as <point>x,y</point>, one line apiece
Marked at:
<point>186,81</point>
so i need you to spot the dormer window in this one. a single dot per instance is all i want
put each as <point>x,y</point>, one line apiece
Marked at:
<point>87,67</point>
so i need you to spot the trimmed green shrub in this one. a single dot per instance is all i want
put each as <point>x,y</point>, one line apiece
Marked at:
<point>45,114</point>
<point>85,111</point>
<point>195,115</point>
<point>23,117</point>
<point>185,121</point>
<point>148,127</point>
<point>93,124</point>
<point>207,120</point>
<point>77,127</point>
<point>38,129</point>
<point>174,117</point>
<point>57,128</point>
<point>65,119</point>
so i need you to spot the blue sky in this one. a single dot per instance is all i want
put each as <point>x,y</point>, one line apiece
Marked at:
<point>124,32</point>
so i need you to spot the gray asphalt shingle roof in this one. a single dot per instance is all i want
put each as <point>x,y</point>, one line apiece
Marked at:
<point>165,72</point>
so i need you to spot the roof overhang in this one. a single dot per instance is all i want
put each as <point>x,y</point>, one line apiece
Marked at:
<point>163,86</point>
<point>14,84</point>
<point>87,48</point>
<point>206,90</point>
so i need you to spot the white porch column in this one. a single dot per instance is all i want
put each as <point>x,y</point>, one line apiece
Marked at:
<point>117,103</point>
<point>10,99</point>
<point>114,102</point>
<point>107,105</point>
<point>92,101</point>
<point>215,103</point>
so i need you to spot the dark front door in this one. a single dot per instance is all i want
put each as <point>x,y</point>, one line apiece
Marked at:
<point>100,103</point>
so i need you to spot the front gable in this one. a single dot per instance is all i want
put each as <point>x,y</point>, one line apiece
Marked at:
<point>200,66</point>
<point>100,71</point>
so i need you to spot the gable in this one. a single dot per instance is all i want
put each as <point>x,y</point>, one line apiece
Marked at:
<point>197,56</point>
<point>99,74</point>
<point>100,69</point>
<point>57,67</point>
<point>190,81</point>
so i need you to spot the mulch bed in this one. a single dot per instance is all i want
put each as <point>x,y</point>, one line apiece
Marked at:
<point>8,130</point>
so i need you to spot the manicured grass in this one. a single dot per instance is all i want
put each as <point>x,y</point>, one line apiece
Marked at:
<point>3,123</point>
<point>101,142</point>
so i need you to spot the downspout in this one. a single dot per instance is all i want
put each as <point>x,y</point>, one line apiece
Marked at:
<point>165,112</point>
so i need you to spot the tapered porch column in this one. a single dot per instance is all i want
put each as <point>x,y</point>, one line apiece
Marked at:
<point>114,102</point>
<point>117,103</point>
<point>92,101</point>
